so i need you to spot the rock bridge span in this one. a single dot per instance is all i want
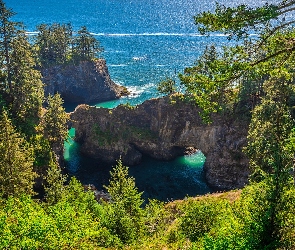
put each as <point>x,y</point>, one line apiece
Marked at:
<point>165,128</point>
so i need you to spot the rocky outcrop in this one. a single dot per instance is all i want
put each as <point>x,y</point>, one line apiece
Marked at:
<point>100,195</point>
<point>87,82</point>
<point>165,128</point>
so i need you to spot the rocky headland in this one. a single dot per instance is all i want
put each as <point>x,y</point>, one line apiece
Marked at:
<point>85,82</point>
<point>165,128</point>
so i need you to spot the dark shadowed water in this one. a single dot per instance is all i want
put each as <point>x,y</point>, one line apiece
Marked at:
<point>163,180</point>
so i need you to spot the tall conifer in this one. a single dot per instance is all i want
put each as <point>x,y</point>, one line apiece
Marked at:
<point>85,46</point>
<point>16,161</point>
<point>27,88</point>
<point>54,121</point>
<point>8,30</point>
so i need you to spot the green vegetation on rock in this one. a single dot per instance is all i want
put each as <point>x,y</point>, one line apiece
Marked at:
<point>56,44</point>
<point>114,133</point>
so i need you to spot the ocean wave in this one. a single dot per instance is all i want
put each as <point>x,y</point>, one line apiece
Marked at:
<point>139,58</point>
<point>117,65</point>
<point>32,33</point>
<point>155,34</point>
<point>148,34</point>
<point>136,91</point>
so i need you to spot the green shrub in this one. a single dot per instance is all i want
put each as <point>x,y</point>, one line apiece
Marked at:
<point>200,216</point>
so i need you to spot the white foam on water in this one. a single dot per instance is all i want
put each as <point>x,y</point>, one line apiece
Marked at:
<point>158,34</point>
<point>148,34</point>
<point>31,33</point>
<point>117,65</point>
<point>139,58</point>
<point>136,91</point>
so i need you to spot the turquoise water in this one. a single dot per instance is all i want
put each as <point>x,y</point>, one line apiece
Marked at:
<point>144,42</point>
<point>162,180</point>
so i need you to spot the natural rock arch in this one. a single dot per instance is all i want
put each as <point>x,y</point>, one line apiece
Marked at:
<point>163,129</point>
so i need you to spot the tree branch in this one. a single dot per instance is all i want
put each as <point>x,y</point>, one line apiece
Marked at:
<point>286,11</point>
<point>274,31</point>
<point>273,55</point>
<point>282,6</point>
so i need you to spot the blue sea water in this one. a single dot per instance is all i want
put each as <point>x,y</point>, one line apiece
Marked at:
<point>144,42</point>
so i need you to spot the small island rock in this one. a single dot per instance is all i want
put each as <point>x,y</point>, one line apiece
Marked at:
<point>86,82</point>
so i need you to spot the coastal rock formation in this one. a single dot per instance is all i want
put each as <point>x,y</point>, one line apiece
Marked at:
<point>87,82</point>
<point>163,129</point>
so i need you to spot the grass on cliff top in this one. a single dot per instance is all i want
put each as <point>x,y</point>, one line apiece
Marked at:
<point>182,224</point>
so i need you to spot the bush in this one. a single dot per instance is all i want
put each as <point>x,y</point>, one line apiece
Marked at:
<point>200,216</point>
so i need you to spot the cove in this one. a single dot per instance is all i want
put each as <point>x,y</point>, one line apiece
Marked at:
<point>162,180</point>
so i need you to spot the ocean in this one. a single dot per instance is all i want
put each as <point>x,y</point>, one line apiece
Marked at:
<point>144,42</point>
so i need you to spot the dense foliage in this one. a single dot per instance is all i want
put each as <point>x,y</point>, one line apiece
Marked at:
<point>255,77</point>
<point>58,44</point>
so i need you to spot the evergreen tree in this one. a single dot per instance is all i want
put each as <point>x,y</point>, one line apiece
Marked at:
<point>16,161</point>
<point>54,121</point>
<point>55,183</point>
<point>167,86</point>
<point>27,88</point>
<point>123,190</point>
<point>85,46</point>
<point>8,30</point>
<point>125,212</point>
<point>53,43</point>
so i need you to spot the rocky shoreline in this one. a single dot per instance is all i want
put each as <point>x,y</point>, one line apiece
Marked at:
<point>165,128</point>
<point>162,128</point>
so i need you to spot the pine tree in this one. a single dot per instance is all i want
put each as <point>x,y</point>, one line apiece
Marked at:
<point>53,43</point>
<point>123,190</point>
<point>125,210</point>
<point>167,86</point>
<point>27,88</point>
<point>8,30</point>
<point>55,183</point>
<point>16,161</point>
<point>85,46</point>
<point>54,121</point>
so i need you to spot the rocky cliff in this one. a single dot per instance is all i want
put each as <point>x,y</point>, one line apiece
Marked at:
<point>164,128</point>
<point>87,82</point>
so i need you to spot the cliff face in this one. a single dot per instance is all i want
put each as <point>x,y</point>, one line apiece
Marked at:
<point>164,130</point>
<point>87,82</point>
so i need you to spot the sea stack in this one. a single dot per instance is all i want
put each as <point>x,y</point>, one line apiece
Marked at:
<point>85,82</point>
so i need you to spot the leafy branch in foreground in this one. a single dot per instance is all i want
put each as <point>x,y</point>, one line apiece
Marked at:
<point>220,78</point>
<point>261,67</point>
<point>240,20</point>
